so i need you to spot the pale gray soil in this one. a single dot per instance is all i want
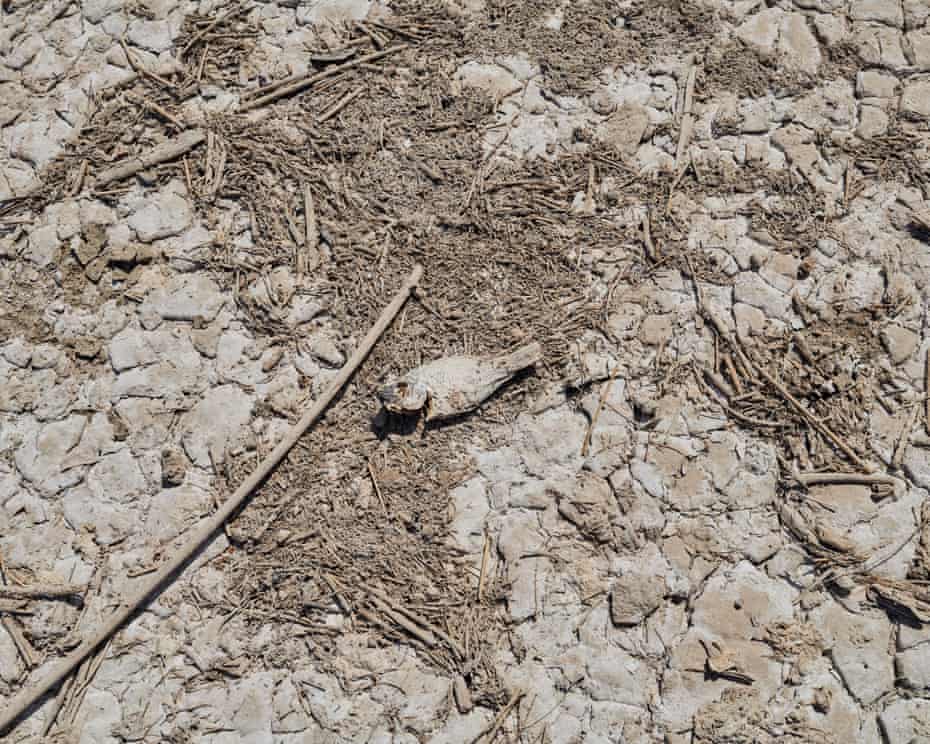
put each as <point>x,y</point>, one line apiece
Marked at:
<point>620,541</point>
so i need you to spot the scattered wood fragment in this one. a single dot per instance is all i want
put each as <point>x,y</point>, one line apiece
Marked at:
<point>904,438</point>
<point>650,247</point>
<point>309,258</point>
<point>141,69</point>
<point>42,591</point>
<point>907,597</point>
<point>340,598</point>
<point>412,629</point>
<point>721,329</point>
<point>25,649</point>
<point>14,607</point>
<point>26,698</point>
<point>732,374</point>
<point>182,144</point>
<point>927,392</point>
<point>485,559</point>
<point>160,110</point>
<point>79,177</point>
<point>605,392</point>
<point>421,623</point>
<point>687,119</point>
<point>60,698</point>
<point>921,217</point>
<point>210,26</point>
<point>803,349</point>
<point>718,382</point>
<point>328,58</point>
<point>431,173</point>
<point>489,733</point>
<point>833,539</point>
<point>341,104</point>
<point>816,423</point>
<point>306,81</point>
<point>721,663</point>
<point>82,681</point>
<point>589,192</point>
<point>845,479</point>
<point>462,695</point>
<point>297,235</point>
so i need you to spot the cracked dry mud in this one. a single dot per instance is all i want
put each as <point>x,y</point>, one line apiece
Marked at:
<point>702,517</point>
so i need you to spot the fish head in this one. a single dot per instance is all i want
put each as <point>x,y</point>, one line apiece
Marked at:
<point>404,396</point>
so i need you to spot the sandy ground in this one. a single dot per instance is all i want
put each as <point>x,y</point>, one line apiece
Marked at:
<point>700,517</point>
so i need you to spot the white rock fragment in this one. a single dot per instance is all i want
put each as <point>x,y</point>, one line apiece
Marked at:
<point>797,45</point>
<point>24,52</point>
<point>108,522</point>
<point>42,453</point>
<point>905,719</point>
<point>470,501</point>
<point>915,99</point>
<point>786,36</point>
<point>43,246</point>
<point>116,478</point>
<point>876,84</point>
<point>617,676</point>
<point>167,213</point>
<point>17,352</point>
<point>130,349</point>
<point>859,648</point>
<point>218,422</point>
<point>760,31</point>
<point>637,593</point>
<point>322,346</point>
<point>888,12</point>
<point>899,342</point>
<point>912,668</point>
<point>166,379</point>
<point>333,12</point>
<point>156,36</point>
<point>303,310</point>
<point>187,297</point>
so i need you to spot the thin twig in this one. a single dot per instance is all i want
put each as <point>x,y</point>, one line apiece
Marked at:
<point>650,247</point>
<point>927,392</point>
<point>605,391</point>
<point>42,591</point>
<point>305,81</point>
<point>310,256</point>
<point>485,557</point>
<point>847,479</point>
<point>20,641</point>
<point>904,439</point>
<point>341,104</point>
<point>839,443</point>
<point>208,527</point>
<point>374,483</point>
<point>491,732</point>
<point>213,24</point>
<point>182,144</point>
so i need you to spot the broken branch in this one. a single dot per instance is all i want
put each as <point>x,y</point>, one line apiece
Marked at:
<point>845,479</point>
<point>184,143</point>
<point>41,591</point>
<point>305,81</point>
<point>208,528</point>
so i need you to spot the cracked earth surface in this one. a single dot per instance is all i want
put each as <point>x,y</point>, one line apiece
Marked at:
<point>714,216</point>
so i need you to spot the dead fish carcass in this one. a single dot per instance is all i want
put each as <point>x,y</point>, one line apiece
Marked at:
<point>455,385</point>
